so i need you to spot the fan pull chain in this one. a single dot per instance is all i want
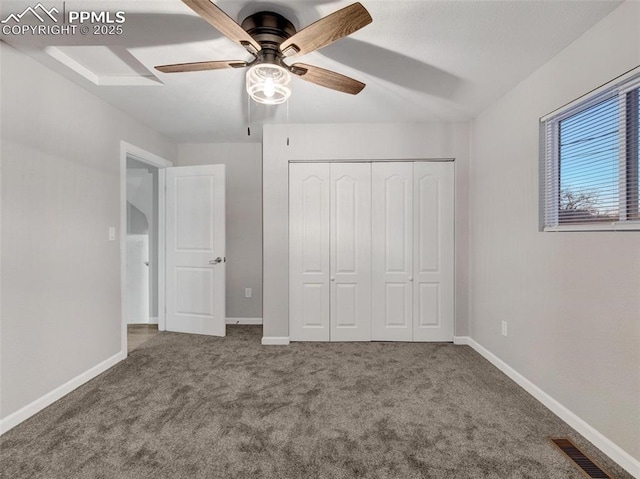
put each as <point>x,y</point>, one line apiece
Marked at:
<point>288,122</point>
<point>248,115</point>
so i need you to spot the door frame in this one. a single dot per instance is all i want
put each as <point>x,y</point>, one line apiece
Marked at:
<point>127,150</point>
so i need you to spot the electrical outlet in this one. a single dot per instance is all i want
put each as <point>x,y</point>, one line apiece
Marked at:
<point>247,292</point>
<point>112,233</point>
<point>504,328</point>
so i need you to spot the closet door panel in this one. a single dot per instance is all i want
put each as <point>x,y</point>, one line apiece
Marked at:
<point>350,252</point>
<point>309,243</point>
<point>433,307</point>
<point>392,252</point>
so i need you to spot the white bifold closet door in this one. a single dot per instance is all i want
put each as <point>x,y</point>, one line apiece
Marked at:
<point>413,251</point>
<point>309,246</point>
<point>433,251</point>
<point>350,252</point>
<point>392,189</point>
<point>330,251</point>
<point>371,251</point>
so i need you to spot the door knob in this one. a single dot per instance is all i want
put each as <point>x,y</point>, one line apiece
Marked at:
<point>333,278</point>
<point>410,279</point>
<point>215,261</point>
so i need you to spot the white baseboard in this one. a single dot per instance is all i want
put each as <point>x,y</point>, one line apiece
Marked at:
<point>244,321</point>
<point>461,340</point>
<point>12,420</point>
<point>606,445</point>
<point>151,321</point>
<point>275,340</point>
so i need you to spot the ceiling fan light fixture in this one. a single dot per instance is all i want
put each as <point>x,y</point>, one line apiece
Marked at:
<point>268,84</point>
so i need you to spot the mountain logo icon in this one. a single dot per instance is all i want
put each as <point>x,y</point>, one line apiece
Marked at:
<point>34,11</point>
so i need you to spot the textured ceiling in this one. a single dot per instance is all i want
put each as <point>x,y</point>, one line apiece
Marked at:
<point>421,61</point>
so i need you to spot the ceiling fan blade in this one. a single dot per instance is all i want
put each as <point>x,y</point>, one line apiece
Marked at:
<point>224,23</point>
<point>327,30</point>
<point>200,66</point>
<point>327,78</point>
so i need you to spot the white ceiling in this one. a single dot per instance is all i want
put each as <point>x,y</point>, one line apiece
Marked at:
<point>421,60</point>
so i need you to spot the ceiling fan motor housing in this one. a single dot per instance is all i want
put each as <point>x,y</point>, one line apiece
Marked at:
<point>269,29</point>
<point>272,38</point>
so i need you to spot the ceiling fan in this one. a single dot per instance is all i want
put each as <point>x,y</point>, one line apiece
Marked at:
<point>270,38</point>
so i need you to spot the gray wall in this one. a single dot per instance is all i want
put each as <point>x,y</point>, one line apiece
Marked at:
<point>137,223</point>
<point>352,141</point>
<point>60,192</point>
<point>244,218</point>
<point>572,300</point>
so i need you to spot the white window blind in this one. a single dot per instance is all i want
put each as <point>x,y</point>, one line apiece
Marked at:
<point>591,160</point>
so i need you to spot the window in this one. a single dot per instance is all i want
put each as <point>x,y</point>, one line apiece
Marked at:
<point>591,159</point>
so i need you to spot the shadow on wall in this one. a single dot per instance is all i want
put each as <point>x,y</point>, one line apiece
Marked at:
<point>137,223</point>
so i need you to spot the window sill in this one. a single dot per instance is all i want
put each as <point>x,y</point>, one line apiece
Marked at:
<point>617,226</point>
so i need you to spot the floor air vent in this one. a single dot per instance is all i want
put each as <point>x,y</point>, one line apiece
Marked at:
<point>582,462</point>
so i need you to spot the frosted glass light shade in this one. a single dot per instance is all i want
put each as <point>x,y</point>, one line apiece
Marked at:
<point>268,83</point>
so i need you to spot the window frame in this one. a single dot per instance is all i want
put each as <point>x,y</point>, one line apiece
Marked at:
<point>629,83</point>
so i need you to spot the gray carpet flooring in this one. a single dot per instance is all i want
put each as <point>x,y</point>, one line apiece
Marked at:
<point>185,406</point>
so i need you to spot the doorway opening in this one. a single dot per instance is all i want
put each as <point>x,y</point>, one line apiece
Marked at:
<point>172,247</point>
<point>142,252</point>
<point>141,243</point>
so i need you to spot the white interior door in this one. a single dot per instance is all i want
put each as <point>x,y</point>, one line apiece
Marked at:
<point>195,249</point>
<point>433,288</point>
<point>392,252</point>
<point>350,252</point>
<point>309,251</point>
